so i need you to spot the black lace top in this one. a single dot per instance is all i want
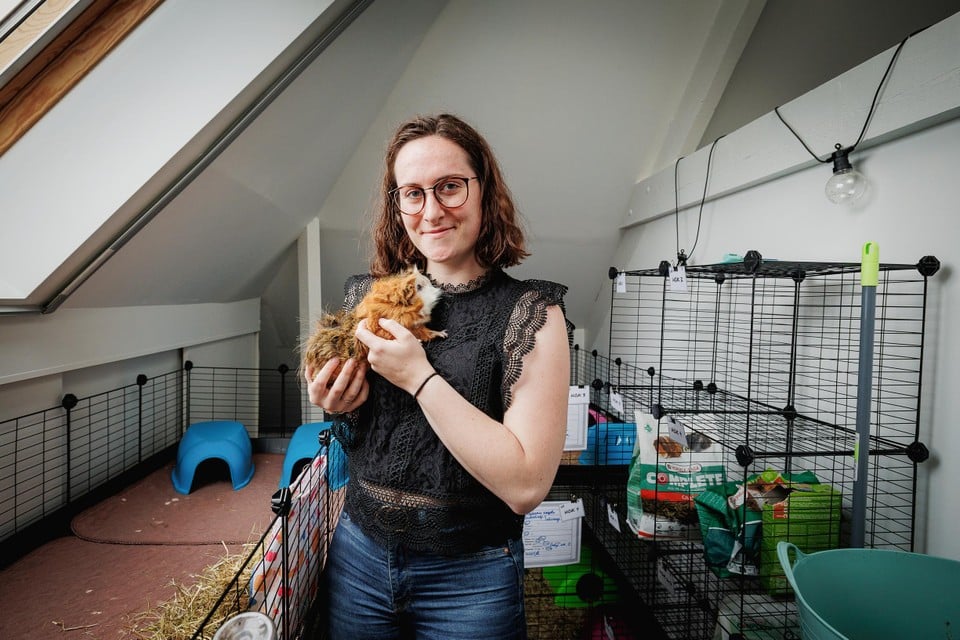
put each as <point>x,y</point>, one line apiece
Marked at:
<point>405,488</point>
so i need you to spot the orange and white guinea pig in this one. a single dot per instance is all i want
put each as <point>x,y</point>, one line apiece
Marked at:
<point>407,297</point>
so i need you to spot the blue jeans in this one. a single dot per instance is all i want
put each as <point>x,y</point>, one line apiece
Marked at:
<point>379,594</point>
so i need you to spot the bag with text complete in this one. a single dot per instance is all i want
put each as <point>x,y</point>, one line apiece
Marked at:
<point>664,478</point>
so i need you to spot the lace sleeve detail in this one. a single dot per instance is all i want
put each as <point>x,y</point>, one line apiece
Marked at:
<point>528,317</point>
<point>344,429</point>
<point>354,289</point>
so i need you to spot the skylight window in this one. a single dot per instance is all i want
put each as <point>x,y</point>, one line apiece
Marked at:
<point>29,27</point>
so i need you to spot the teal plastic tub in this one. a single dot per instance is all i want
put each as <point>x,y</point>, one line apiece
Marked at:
<point>873,594</point>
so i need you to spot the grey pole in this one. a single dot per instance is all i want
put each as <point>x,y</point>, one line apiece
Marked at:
<point>869,276</point>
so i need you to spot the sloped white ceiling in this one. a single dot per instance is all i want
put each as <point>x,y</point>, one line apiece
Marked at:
<point>219,239</point>
<point>580,101</point>
<point>576,98</point>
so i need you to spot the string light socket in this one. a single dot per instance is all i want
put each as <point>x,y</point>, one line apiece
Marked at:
<point>846,185</point>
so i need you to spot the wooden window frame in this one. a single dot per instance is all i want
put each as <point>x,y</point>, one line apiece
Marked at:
<point>36,88</point>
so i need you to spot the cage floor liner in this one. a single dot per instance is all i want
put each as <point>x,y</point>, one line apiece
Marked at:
<point>152,512</point>
<point>74,589</point>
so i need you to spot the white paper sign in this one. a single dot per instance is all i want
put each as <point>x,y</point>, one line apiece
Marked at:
<point>612,517</point>
<point>578,407</point>
<point>678,278</point>
<point>572,510</point>
<point>616,402</point>
<point>676,431</point>
<point>550,537</point>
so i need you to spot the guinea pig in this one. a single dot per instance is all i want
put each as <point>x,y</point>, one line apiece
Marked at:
<point>407,297</point>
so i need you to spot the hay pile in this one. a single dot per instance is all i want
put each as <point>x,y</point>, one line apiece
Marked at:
<point>179,617</point>
<point>545,620</point>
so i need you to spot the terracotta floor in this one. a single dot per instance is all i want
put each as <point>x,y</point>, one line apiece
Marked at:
<point>127,551</point>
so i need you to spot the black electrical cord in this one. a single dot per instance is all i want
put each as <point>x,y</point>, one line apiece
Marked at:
<point>676,203</point>
<point>681,256</point>
<point>873,106</point>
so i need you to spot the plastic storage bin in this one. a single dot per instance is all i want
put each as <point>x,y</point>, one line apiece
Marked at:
<point>873,594</point>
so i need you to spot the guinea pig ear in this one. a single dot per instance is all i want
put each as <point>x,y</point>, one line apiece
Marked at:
<point>409,290</point>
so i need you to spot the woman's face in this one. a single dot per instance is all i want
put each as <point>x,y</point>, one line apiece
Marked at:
<point>446,236</point>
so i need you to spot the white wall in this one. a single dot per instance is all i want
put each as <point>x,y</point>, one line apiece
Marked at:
<point>771,72</point>
<point>35,346</point>
<point>279,319</point>
<point>114,375</point>
<point>772,201</point>
<point>83,351</point>
<point>239,352</point>
<point>29,396</point>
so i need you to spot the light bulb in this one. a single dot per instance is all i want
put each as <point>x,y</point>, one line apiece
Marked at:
<point>846,184</point>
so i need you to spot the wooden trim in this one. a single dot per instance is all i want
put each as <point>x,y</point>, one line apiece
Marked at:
<point>49,53</point>
<point>44,18</point>
<point>61,65</point>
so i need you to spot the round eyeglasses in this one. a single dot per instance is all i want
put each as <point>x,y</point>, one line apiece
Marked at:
<point>450,192</point>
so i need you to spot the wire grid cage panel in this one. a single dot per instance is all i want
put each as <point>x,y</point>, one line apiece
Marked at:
<point>671,574</point>
<point>43,467</point>
<point>288,597</point>
<point>741,345</point>
<point>281,575</point>
<point>587,367</point>
<point>33,469</point>
<point>104,436</point>
<point>597,477</point>
<point>218,393</point>
<point>667,578</point>
<point>268,402</point>
<point>788,332</point>
<point>162,412</point>
<point>553,607</point>
<point>586,598</point>
<point>783,341</point>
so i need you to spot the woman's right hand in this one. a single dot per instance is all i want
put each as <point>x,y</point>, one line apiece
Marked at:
<point>340,394</point>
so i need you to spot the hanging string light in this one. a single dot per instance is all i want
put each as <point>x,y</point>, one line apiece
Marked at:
<point>847,185</point>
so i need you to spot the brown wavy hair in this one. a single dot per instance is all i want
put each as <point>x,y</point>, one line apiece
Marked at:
<point>501,242</point>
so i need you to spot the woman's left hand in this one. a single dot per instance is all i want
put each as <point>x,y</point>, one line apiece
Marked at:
<point>402,361</point>
<point>337,389</point>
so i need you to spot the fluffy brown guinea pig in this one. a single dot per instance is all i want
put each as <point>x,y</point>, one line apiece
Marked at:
<point>407,297</point>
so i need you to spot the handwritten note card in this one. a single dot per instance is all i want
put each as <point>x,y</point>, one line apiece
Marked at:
<point>578,407</point>
<point>551,534</point>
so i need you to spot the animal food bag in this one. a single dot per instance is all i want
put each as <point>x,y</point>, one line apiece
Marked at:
<point>730,528</point>
<point>665,476</point>
<point>808,516</point>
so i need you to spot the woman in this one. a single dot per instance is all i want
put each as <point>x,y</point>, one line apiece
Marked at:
<point>449,442</point>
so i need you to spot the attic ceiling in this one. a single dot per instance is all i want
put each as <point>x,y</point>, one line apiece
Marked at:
<point>579,100</point>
